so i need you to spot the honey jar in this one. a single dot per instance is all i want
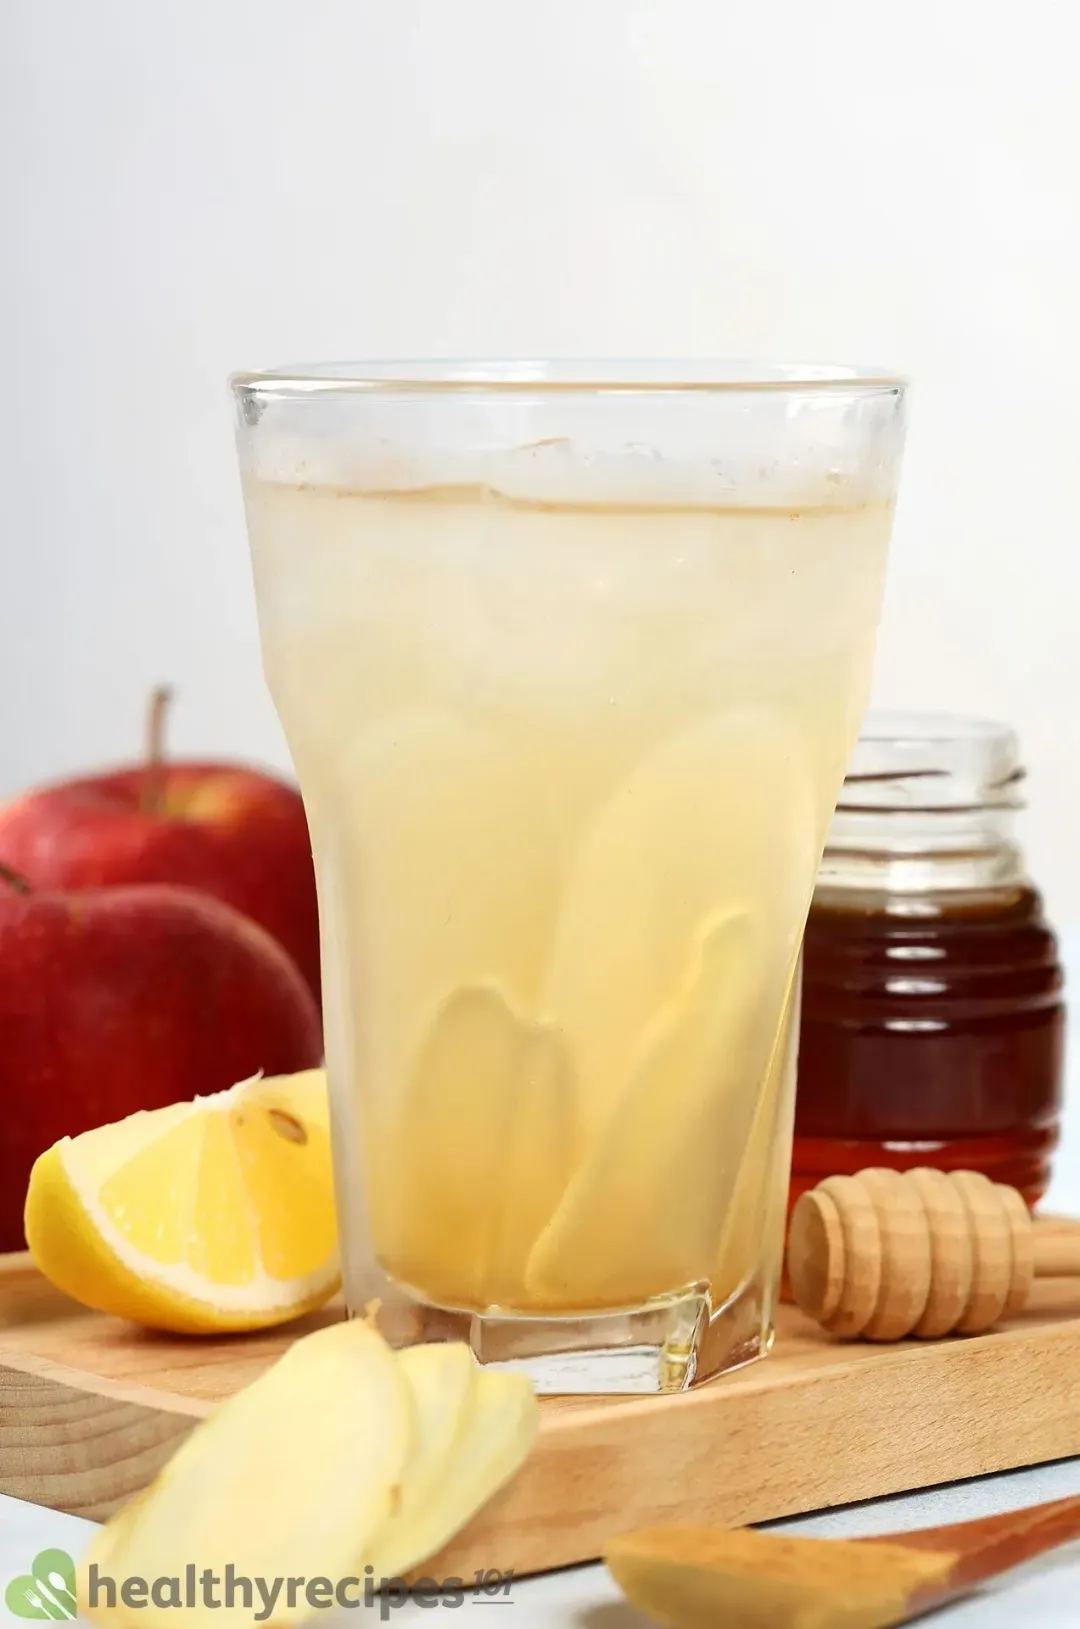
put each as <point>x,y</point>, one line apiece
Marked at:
<point>932,1015</point>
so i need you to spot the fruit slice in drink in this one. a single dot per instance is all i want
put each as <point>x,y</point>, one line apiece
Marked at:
<point>449,874</point>
<point>487,1127</point>
<point>753,1231</point>
<point>644,1209</point>
<point>716,818</point>
<point>669,1106</point>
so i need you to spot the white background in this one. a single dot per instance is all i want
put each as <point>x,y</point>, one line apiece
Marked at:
<point>190,186</point>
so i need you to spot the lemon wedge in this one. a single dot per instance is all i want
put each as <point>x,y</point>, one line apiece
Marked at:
<point>206,1216</point>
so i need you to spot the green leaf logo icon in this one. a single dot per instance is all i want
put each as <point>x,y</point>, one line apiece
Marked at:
<point>46,1591</point>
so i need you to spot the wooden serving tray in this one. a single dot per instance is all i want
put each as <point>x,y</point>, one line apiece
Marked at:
<point>91,1407</point>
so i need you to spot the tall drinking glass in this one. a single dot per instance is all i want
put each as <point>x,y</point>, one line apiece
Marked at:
<point>570,660</point>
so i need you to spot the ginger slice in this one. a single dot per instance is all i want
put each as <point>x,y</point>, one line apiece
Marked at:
<point>717,817</point>
<point>753,1236</point>
<point>437,1233</point>
<point>645,1209</point>
<point>344,1454</point>
<point>498,1432</point>
<point>290,1477</point>
<point>536,1162</point>
<point>444,1381</point>
<point>489,1122</point>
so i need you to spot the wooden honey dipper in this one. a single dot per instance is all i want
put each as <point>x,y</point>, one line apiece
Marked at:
<point>886,1254</point>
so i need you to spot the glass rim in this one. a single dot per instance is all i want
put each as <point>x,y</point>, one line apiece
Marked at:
<point>563,377</point>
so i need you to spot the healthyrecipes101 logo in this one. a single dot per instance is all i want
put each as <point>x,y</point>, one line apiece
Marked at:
<point>47,1590</point>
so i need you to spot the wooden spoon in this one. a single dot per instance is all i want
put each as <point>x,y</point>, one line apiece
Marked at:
<point>703,1577</point>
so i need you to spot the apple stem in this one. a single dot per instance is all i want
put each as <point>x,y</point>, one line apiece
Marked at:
<point>153,788</point>
<point>14,879</point>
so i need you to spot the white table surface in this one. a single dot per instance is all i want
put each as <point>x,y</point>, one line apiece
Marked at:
<point>1045,1592</point>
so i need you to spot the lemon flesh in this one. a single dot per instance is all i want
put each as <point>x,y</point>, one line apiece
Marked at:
<point>206,1216</point>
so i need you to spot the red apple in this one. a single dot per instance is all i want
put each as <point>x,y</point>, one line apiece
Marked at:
<point>233,832</point>
<point>131,998</point>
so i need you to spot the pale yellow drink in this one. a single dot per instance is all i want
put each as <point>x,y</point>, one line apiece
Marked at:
<point>568,769</point>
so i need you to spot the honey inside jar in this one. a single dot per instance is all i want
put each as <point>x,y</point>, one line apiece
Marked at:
<point>932,1013</point>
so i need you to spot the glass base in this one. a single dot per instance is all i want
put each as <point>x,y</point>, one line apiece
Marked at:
<point>665,1346</point>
